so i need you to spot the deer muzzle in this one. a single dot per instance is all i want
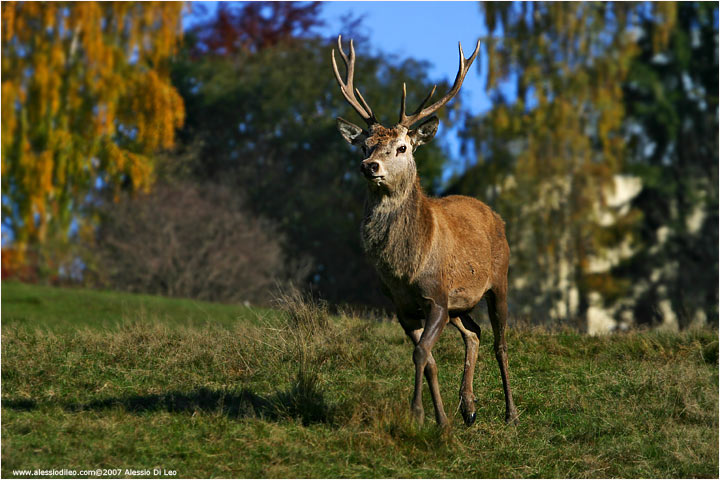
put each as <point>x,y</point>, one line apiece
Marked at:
<point>371,169</point>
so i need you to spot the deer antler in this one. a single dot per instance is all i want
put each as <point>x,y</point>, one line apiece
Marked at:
<point>421,112</point>
<point>347,88</point>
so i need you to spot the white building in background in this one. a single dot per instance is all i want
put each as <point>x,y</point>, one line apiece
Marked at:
<point>601,318</point>
<point>618,198</point>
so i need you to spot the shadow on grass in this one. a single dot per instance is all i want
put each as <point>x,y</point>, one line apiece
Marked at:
<point>303,401</point>
<point>20,404</point>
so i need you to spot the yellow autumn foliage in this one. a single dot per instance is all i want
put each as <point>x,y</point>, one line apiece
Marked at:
<point>568,61</point>
<point>86,98</point>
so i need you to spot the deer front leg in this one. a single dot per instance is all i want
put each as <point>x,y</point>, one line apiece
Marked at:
<point>436,321</point>
<point>414,331</point>
<point>470,332</point>
<point>418,410</point>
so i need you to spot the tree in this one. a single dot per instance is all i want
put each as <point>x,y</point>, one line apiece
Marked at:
<point>86,100</point>
<point>548,153</point>
<point>266,120</point>
<point>188,240</point>
<point>672,122</point>
<point>253,26</point>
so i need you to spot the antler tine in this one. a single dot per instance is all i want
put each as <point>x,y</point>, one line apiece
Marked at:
<point>347,88</point>
<point>365,104</point>
<point>421,112</point>
<point>349,66</point>
<point>417,110</point>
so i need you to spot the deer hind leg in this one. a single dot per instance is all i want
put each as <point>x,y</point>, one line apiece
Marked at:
<point>424,340</point>
<point>470,332</point>
<point>497,310</point>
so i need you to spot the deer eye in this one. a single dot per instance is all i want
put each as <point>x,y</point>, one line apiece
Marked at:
<point>401,149</point>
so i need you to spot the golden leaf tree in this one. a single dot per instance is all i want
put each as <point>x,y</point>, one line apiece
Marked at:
<point>550,150</point>
<point>86,101</point>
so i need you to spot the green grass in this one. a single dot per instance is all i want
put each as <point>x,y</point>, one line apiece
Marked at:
<point>108,380</point>
<point>68,309</point>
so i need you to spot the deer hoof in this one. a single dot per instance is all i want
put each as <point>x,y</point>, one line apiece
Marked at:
<point>418,415</point>
<point>469,418</point>
<point>444,424</point>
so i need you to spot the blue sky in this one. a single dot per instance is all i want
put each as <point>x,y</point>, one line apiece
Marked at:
<point>422,30</point>
<point>428,31</point>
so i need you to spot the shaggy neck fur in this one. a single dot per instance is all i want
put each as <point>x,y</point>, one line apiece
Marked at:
<point>397,229</point>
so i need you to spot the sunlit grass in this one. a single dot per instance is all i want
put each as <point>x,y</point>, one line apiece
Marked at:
<point>300,393</point>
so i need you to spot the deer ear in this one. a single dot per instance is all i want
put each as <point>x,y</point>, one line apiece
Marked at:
<point>425,132</point>
<point>353,134</point>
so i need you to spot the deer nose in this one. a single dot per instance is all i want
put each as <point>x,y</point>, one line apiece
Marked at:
<point>369,168</point>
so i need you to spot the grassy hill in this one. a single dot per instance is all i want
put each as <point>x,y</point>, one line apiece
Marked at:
<point>109,380</point>
<point>64,309</point>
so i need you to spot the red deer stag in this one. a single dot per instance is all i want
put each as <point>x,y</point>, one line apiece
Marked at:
<point>436,257</point>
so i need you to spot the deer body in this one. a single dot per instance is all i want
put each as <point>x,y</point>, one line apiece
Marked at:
<point>432,248</point>
<point>437,257</point>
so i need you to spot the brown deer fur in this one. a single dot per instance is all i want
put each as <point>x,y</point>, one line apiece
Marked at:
<point>437,257</point>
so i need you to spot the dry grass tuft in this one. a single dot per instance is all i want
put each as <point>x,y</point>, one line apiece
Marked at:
<point>303,310</point>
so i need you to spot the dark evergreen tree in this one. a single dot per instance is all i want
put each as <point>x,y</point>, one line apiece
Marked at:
<point>672,122</point>
<point>262,114</point>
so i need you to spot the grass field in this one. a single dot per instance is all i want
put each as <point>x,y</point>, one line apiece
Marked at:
<point>108,380</point>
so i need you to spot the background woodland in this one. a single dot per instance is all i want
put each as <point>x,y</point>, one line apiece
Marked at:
<point>204,162</point>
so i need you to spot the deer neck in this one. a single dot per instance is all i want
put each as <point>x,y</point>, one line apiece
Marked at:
<point>397,230</point>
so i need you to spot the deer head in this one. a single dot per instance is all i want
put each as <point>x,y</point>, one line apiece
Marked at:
<point>389,165</point>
